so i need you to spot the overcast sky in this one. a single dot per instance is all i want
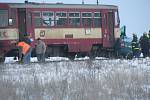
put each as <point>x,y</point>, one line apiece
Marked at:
<point>133,13</point>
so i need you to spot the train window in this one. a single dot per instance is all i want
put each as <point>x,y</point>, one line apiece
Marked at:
<point>12,17</point>
<point>48,19</point>
<point>87,19</point>
<point>37,14</point>
<point>76,14</point>
<point>87,22</point>
<point>97,14</point>
<point>97,19</point>
<point>61,19</point>
<point>97,22</point>
<point>3,18</point>
<point>87,14</point>
<point>37,18</point>
<point>10,21</point>
<point>29,19</point>
<point>48,14</point>
<point>37,22</point>
<point>117,21</point>
<point>61,14</point>
<point>74,19</point>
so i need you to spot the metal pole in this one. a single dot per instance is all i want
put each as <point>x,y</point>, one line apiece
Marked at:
<point>82,1</point>
<point>97,2</point>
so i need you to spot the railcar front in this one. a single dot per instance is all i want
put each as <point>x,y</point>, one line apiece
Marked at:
<point>8,30</point>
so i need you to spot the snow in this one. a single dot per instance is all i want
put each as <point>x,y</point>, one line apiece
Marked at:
<point>82,79</point>
<point>34,59</point>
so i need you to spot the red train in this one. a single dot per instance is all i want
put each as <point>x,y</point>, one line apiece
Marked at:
<point>67,29</point>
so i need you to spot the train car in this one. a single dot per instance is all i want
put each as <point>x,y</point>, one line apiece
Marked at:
<point>67,29</point>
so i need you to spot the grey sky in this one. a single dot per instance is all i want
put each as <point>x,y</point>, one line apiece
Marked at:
<point>133,13</point>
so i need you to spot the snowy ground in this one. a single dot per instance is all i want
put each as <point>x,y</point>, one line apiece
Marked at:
<point>76,80</point>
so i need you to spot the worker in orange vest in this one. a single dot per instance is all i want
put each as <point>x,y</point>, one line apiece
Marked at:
<point>27,39</point>
<point>24,50</point>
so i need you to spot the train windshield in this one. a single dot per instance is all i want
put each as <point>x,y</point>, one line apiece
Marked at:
<point>117,20</point>
<point>3,18</point>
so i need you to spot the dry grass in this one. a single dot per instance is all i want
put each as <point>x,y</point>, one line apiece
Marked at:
<point>77,81</point>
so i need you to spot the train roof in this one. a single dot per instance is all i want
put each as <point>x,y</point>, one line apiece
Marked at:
<point>61,5</point>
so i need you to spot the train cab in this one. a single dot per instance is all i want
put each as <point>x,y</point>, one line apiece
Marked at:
<point>8,30</point>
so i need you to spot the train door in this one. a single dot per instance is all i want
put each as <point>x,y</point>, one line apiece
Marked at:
<point>29,22</point>
<point>25,23</point>
<point>108,29</point>
<point>111,28</point>
<point>22,23</point>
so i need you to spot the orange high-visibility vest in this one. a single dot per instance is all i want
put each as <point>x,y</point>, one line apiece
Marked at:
<point>25,47</point>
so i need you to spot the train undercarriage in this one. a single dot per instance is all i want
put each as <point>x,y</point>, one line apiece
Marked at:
<point>62,50</point>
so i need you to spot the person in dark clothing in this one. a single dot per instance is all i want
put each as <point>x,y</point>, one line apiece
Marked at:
<point>135,46</point>
<point>149,42</point>
<point>149,34</point>
<point>27,39</point>
<point>117,47</point>
<point>144,43</point>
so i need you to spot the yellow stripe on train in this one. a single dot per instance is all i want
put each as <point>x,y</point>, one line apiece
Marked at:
<point>7,34</point>
<point>76,33</point>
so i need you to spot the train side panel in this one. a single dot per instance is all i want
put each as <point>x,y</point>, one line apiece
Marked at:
<point>7,39</point>
<point>9,34</point>
<point>77,39</point>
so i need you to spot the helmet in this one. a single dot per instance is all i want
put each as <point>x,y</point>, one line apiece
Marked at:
<point>134,34</point>
<point>144,33</point>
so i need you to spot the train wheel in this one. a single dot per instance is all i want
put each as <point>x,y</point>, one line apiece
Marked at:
<point>71,56</point>
<point>92,56</point>
<point>2,58</point>
<point>111,55</point>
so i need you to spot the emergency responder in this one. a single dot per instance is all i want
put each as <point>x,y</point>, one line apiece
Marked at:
<point>135,46</point>
<point>144,42</point>
<point>149,42</point>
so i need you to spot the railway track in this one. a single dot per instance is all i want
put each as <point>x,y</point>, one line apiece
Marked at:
<point>59,59</point>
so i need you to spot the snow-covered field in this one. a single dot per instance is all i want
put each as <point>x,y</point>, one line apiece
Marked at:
<point>76,80</point>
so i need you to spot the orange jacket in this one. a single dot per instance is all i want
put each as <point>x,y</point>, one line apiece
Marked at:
<point>25,47</point>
